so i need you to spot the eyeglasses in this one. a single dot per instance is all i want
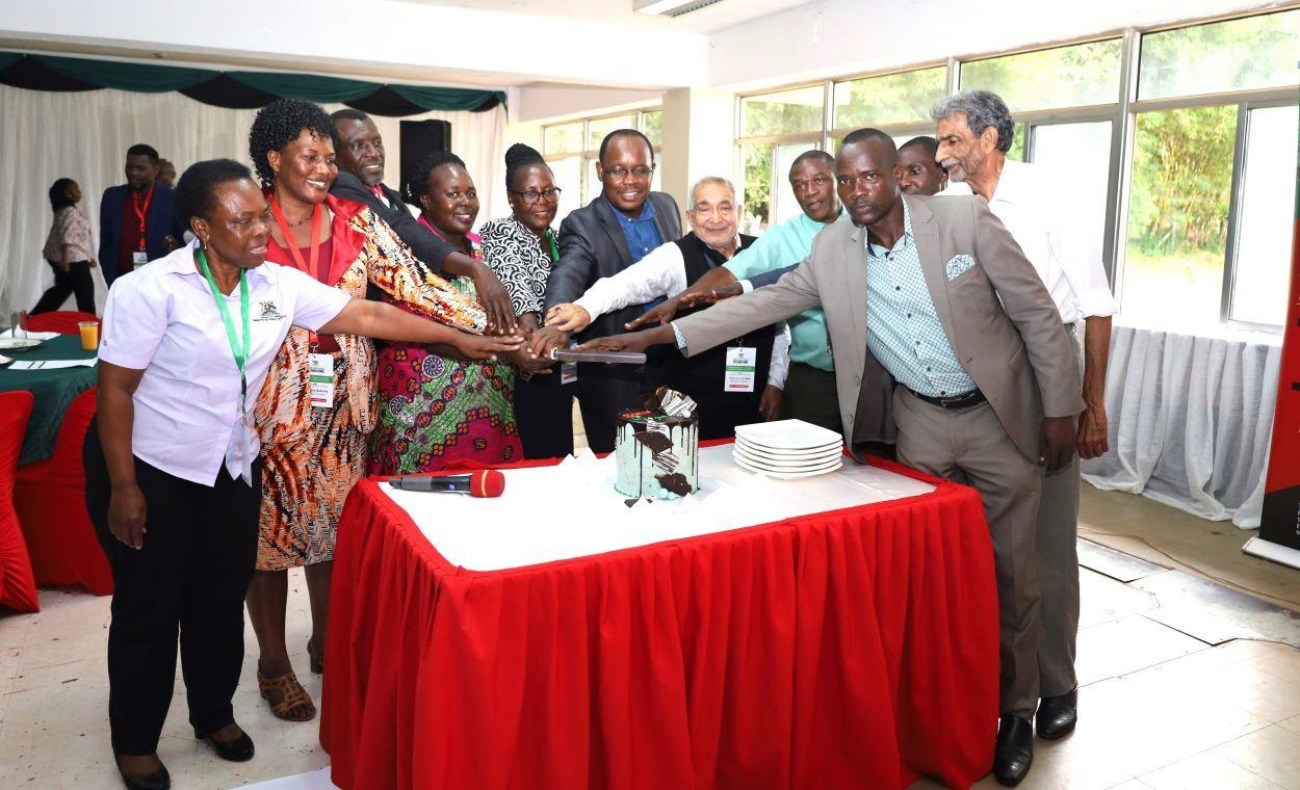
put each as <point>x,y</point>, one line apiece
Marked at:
<point>639,173</point>
<point>531,196</point>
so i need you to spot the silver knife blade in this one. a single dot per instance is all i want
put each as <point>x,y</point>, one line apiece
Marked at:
<point>614,357</point>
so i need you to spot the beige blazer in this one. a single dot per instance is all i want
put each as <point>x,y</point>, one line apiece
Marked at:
<point>998,317</point>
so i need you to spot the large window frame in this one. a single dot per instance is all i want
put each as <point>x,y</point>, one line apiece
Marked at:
<point>1122,114</point>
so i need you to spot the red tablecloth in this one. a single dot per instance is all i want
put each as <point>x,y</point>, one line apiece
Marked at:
<point>853,648</point>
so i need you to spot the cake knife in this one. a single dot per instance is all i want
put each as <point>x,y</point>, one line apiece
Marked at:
<point>624,357</point>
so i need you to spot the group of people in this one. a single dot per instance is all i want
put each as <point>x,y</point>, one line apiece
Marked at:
<point>239,402</point>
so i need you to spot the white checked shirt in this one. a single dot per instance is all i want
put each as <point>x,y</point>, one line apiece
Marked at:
<point>1041,217</point>
<point>162,319</point>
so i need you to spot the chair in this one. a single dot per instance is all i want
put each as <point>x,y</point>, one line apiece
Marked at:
<point>50,497</point>
<point>17,584</point>
<point>63,321</point>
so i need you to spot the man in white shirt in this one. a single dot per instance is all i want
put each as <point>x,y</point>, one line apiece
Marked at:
<point>714,217</point>
<point>975,131</point>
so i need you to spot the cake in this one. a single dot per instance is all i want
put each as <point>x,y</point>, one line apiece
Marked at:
<point>656,449</point>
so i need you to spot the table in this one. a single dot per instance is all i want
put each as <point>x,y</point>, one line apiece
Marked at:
<point>53,390</point>
<point>855,647</point>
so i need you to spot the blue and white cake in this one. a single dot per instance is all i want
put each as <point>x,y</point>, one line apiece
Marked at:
<point>656,449</point>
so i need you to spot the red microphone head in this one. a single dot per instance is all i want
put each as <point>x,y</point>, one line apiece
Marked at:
<point>487,483</point>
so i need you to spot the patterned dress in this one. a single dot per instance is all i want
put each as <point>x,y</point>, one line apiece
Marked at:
<point>313,456</point>
<point>434,410</point>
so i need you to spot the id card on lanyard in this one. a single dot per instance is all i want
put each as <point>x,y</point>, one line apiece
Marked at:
<point>742,364</point>
<point>568,370</point>
<point>141,256</point>
<point>321,373</point>
<point>239,350</point>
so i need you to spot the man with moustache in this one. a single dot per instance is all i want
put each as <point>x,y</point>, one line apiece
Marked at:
<point>620,227</point>
<point>933,297</point>
<point>361,178</point>
<point>137,220</point>
<point>975,131</point>
<point>714,239</point>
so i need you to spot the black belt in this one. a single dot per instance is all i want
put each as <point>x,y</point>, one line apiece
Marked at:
<point>953,401</point>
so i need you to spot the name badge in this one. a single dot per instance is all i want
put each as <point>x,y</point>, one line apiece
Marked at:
<point>139,258</point>
<point>568,372</point>
<point>742,361</point>
<point>322,381</point>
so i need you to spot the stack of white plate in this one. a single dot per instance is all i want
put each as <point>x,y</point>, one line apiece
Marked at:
<point>787,449</point>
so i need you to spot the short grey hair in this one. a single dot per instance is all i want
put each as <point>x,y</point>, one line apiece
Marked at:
<point>982,109</point>
<point>706,181</point>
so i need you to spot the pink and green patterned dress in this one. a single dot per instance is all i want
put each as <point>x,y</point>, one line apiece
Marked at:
<point>434,410</point>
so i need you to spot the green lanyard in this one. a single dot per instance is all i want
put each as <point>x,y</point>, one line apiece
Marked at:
<point>555,251</point>
<point>241,353</point>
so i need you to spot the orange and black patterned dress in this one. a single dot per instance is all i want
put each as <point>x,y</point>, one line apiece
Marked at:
<point>313,456</point>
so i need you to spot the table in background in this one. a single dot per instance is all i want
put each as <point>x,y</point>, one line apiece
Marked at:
<point>53,391</point>
<point>854,647</point>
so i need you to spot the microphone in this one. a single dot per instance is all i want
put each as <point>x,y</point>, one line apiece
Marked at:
<point>483,483</point>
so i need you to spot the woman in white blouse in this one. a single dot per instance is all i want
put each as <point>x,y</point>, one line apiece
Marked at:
<point>69,251</point>
<point>172,477</point>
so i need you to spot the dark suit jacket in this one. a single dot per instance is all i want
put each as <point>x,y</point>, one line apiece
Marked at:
<point>424,243</point>
<point>998,317</point>
<point>159,223</point>
<point>769,278</point>
<point>592,246</point>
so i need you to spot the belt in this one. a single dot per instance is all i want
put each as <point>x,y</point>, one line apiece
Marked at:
<point>953,401</point>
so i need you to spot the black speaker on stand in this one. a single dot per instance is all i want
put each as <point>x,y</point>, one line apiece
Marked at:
<point>418,139</point>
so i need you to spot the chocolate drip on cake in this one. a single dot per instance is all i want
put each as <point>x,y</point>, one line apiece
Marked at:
<point>675,482</point>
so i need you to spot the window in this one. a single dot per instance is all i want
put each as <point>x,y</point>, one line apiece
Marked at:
<point>1266,224</point>
<point>1239,54</point>
<point>1076,76</point>
<point>889,100</point>
<point>572,150</point>
<point>1079,152</point>
<point>798,110</point>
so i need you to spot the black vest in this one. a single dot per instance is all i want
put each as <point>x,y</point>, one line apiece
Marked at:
<point>702,376</point>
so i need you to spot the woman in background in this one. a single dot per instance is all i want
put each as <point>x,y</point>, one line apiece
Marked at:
<point>521,249</point>
<point>69,251</point>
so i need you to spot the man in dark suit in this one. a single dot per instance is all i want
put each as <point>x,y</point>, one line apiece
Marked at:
<point>617,229</point>
<point>943,335</point>
<point>361,178</point>
<point>137,220</point>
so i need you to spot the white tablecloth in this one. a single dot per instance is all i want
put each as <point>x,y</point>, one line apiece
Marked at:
<point>1190,420</point>
<point>571,510</point>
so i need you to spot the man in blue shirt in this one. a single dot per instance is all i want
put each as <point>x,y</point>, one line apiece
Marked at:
<point>617,229</point>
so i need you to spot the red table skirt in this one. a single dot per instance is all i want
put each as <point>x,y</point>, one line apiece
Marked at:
<point>855,648</point>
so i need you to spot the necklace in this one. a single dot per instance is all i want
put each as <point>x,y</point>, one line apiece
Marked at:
<point>301,221</point>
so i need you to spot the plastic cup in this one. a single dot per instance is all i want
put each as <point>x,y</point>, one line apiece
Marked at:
<point>89,335</point>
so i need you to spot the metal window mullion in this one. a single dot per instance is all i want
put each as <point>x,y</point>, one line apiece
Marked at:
<point>953,76</point>
<point>828,114</point>
<point>1235,200</point>
<point>1123,129</point>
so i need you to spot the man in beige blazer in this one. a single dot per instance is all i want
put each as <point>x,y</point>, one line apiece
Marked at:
<point>946,341</point>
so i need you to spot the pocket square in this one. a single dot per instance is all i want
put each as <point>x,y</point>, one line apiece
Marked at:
<point>958,265</point>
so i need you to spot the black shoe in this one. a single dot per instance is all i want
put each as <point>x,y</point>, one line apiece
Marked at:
<point>1015,750</point>
<point>238,750</point>
<point>1057,715</point>
<point>158,780</point>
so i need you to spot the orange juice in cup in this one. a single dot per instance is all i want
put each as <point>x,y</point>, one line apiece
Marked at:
<point>89,335</point>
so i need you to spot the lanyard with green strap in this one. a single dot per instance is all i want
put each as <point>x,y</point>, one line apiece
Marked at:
<point>239,350</point>
<point>555,250</point>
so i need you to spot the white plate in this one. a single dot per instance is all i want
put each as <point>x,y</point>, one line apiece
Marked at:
<point>787,435</point>
<point>784,464</point>
<point>18,344</point>
<point>787,475</point>
<point>826,449</point>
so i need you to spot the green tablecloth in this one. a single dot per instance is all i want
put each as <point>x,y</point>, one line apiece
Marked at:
<point>52,390</point>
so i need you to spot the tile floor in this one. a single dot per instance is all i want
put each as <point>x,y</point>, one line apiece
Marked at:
<point>1159,707</point>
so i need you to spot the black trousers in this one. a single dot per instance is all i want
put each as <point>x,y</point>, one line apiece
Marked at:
<point>189,579</point>
<point>603,392</point>
<point>76,280</point>
<point>544,415</point>
<point>810,396</point>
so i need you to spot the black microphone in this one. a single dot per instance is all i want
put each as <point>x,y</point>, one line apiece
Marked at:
<point>483,483</point>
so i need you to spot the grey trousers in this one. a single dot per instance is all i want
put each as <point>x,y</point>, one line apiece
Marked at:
<point>1058,576</point>
<point>970,446</point>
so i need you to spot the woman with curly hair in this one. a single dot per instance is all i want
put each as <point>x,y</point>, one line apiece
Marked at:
<point>317,409</point>
<point>434,407</point>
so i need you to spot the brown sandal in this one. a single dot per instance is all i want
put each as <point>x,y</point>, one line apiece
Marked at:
<point>315,658</point>
<point>295,703</point>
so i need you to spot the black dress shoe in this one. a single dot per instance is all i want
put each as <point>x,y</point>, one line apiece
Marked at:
<point>158,780</point>
<point>1057,715</point>
<point>238,750</point>
<point>1015,750</point>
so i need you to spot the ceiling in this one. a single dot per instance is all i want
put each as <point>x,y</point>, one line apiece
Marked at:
<point>721,14</point>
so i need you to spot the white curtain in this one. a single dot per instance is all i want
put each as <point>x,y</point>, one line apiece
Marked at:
<point>84,136</point>
<point>1190,421</point>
